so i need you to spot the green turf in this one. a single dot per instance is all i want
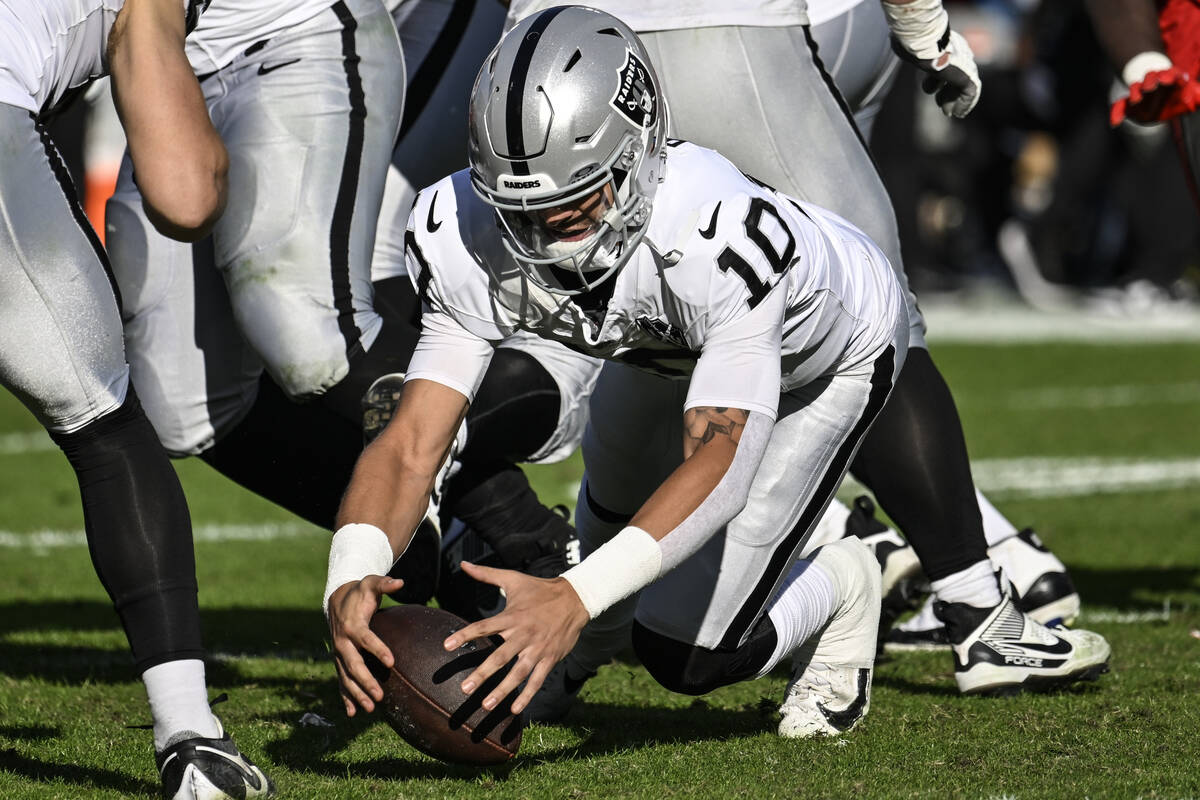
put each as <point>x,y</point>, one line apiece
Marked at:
<point>67,698</point>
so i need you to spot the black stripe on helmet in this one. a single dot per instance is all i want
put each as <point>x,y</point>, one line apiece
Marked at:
<point>514,111</point>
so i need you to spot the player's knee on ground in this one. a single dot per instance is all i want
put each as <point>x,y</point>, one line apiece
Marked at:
<point>689,669</point>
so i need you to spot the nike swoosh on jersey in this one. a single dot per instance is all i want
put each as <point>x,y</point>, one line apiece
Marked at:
<point>430,224</point>
<point>711,230</point>
<point>263,69</point>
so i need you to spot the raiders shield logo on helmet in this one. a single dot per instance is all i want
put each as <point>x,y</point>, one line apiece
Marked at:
<point>635,98</point>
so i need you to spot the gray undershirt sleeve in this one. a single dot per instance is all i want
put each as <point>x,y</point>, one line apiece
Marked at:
<point>725,501</point>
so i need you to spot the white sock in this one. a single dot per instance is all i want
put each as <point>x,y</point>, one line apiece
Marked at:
<point>830,528</point>
<point>996,527</point>
<point>179,701</point>
<point>802,606</point>
<point>976,586</point>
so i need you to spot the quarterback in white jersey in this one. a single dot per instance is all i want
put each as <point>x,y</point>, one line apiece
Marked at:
<point>783,121</point>
<point>60,335</point>
<point>771,331</point>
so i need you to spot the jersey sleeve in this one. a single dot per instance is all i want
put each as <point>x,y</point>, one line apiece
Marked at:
<point>739,361</point>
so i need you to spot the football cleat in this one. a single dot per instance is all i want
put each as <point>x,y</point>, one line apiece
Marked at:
<point>199,768</point>
<point>1001,650</point>
<point>1037,579</point>
<point>1041,586</point>
<point>903,581</point>
<point>556,696</point>
<point>830,688</point>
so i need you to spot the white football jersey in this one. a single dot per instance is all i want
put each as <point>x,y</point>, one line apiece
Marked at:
<point>670,15</point>
<point>741,289</point>
<point>49,47</point>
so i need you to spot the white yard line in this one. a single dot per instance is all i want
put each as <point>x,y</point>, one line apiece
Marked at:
<point>955,320</point>
<point>51,539</point>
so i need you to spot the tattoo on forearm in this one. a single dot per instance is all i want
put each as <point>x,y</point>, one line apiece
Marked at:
<point>702,425</point>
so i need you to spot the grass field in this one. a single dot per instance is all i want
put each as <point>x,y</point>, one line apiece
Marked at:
<point>1097,446</point>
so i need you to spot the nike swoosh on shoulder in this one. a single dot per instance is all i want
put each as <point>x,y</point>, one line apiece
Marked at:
<point>711,230</point>
<point>431,224</point>
<point>263,69</point>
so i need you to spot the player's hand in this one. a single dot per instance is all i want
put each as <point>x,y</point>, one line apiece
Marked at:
<point>1160,96</point>
<point>351,607</point>
<point>952,76</point>
<point>540,622</point>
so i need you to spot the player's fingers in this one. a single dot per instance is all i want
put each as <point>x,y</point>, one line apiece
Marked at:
<point>476,630</point>
<point>351,692</point>
<point>490,575</point>
<point>356,669</point>
<point>536,679</point>
<point>520,670</point>
<point>493,663</point>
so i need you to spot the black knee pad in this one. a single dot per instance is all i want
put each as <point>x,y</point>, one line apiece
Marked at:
<point>515,410</point>
<point>689,669</point>
<point>139,532</point>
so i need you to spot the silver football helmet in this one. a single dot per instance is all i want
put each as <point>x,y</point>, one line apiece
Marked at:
<point>568,130</point>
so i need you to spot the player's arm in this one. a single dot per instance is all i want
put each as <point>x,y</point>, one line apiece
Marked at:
<point>723,446</point>
<point>921,34</point>
<point>1158,89</point>
<point>179,161</point>
<point>387,498</point>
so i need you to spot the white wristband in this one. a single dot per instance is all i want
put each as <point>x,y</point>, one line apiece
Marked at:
<point>1141,65</point>
<point>624,564</point>
<point>918,25</point>
<point>357,550</point>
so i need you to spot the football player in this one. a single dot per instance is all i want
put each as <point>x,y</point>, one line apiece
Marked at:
<point>229,336</point>
<point>775,327</point>
<point>1156,48</point>
<point>62,349</point>
<point>784,123</point>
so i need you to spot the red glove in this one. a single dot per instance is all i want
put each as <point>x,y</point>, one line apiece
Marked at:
<point>1160,96</point>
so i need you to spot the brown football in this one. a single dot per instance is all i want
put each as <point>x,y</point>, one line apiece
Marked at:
<point>422,700</point>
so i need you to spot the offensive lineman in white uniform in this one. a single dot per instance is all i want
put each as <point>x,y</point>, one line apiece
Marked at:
<point>61,350</point>
<point>783,122</point>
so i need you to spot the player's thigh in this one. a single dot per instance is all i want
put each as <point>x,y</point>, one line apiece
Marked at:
<point>634,437</point>
<point>731,580</point>
<point>309,121</point>
<point>195,374</point>
<point>60,328</point>
<point>855,50</point>
<point>575,375</point>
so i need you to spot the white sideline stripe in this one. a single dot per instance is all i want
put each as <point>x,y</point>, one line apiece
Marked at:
<point>1115,616</point>
<point>1106,396</point>
<point>16,444</point>
<point>953,320</point>
<point>1071,477</point>
<point>50,539</point>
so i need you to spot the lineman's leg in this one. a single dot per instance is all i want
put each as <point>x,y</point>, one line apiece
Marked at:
<point>855,48</point>
<point>61,354</point>
<point>309,144</point>
<point>814,152</point>
<point>751,603</point>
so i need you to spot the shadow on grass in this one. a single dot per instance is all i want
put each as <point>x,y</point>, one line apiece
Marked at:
<point>1135,589</point>
<point>250,632</point>
<point>39,771</point>
<point>604,729</point>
